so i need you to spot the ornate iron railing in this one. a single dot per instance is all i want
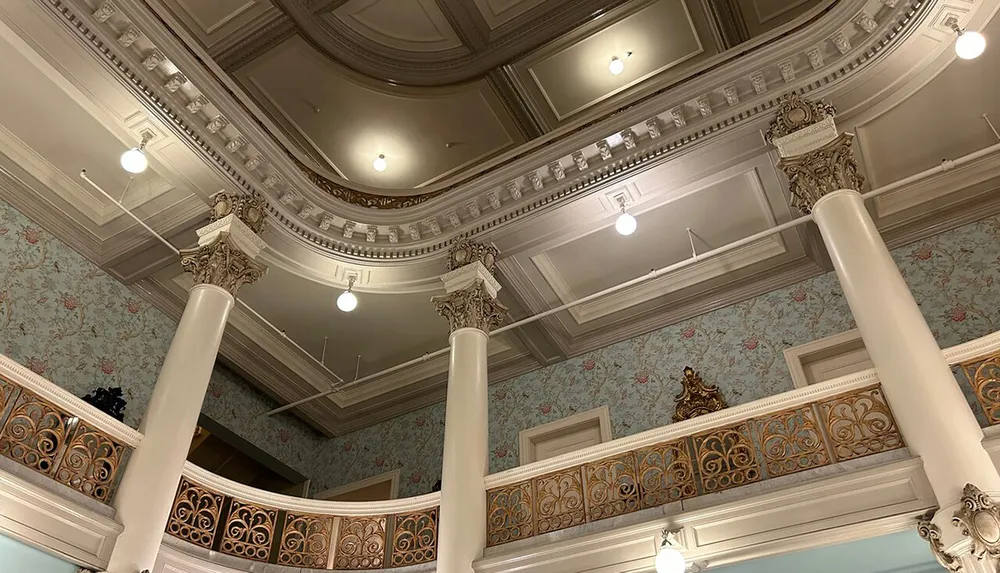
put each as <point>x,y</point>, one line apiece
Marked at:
<point>983,376</point>
<point>259,526</point>
<point>49,431</point>
<point>726,452</point>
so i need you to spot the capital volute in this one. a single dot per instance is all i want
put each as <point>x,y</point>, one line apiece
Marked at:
<point>471,289</point>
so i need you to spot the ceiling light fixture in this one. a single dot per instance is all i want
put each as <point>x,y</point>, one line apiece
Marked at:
<point>616,66</point>
<point>347,301</point>
<point>379,164</point>
<point>134,160</point>
<point>626,224</point>
<point>669,558</point>
<point>970,44</point>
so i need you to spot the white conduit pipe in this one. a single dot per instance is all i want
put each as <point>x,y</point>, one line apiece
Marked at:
<point>946,165</point>
<point>83,175</point>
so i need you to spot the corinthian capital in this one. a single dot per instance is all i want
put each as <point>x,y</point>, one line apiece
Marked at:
<point>228,245</point>
<point>816,158</point>
<point>471,289</point>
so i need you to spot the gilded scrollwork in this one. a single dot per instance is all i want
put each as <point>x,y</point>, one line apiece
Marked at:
<point>611,486</point>
<point>816,173</point>
<point>91,463</point>
<point>859,424</point>
<point>194,516</point>
<point>795,113</point>
<point>8,390</point>
<point>791,441</point>
<point>932,535</point>
<point>222,264</point>
<point>361,544</point>
<point>510,513</point>
<point>726,458</point>
<point>249,531</point>
<point>471,307</point>
<point>666,473</point>
<point>697,398</point>
<point>34,434</point>
<point>978,518</point>
<point>559,500</point>
<point>984,376</point>
<point>305,541</point>
<point>414,538</point>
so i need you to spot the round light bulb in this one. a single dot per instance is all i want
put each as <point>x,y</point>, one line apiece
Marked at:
<point>134,160</point>
<point>969,45</point>
<point>379,164</point>
<point>347,301</point>
<point>626,224</point>
<point>616,66</point>
<point>670,560</point>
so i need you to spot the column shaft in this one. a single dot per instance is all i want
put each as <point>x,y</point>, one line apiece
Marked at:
<point>462,526</point>
<point>147,489</point>
<point>928,405</point>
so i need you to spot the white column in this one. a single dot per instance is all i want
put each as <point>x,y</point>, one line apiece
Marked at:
<point>146,494</point>
<point>220,265</point>
<point>926,400</point>
<point>470,306</point>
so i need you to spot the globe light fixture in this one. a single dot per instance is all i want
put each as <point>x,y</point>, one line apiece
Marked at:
<point>134,160</point>
<point>379,164</point>
<point>626,224</point>
<point>970,44</point>
<point>669,558</point>
<point>616,66</point>
<point>347,301</point>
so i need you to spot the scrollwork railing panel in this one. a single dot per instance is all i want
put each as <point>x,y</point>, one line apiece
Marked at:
<point>306,541</point>
<point>611,486</point>
<point>414,538</point>
<point>559,500</point>
<point>195,514</point>
<point>666,473</point>
<point>361,543</point>
<point>510,513</point>
<point>859,424</point>
<point>791,441</point>
<point>92,463</point>
<point>34,434</point>
<point>249,531</point>
<point>984,377</point>
<point>726,458</point>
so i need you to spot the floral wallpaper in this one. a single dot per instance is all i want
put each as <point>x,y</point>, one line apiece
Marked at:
<point>69,321</point>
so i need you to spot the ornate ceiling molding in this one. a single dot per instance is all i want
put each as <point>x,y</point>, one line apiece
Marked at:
<point>209,112</point>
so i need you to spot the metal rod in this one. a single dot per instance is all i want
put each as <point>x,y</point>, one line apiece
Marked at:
<point>357,368</point>
<point>83,175</point>
<point>694,251</point>
<point>990,123</point>
<point>945,166</point>
<point>322,357</point>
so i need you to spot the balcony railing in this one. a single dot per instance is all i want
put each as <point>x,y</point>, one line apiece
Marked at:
<point>222,515</point>
<point>54,433</point>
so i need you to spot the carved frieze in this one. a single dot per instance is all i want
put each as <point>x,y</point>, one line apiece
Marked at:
<point>795,113</point>
<point>697,398</point>
<point>467,252</point>
<point>814,174</point>
<point>248,209</point>
<point>471,307</point>
<point>221,263</point>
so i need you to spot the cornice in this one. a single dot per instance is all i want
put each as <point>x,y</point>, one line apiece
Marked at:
<point>210,111</point>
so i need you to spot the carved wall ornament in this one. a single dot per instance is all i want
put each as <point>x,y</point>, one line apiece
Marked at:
<point>979,519</point>
<point>787,70</point>
<point>104,11</point>
<point>890,3</point>
<point>216,124</point>
<point>678,116</point>
<point>697,398</point>
<point>306,210</point>
<point>758,82</point>
<point>235,143</point>
<point>732,95</point>
<point>371,233</point>
<point>248,209</point>
<point>129,36</point>
<point>471,307</point>
<point>932,534</point>
<point>795,113</point>
<point>628,138</point>
<point>393,235</point>
<point>414,231</point>
<point>604,148</point>
<point>222,264</point>
<point>513,190</point>
<point>494,198</point>
<point>814,174</point>
<point>843,44</point>
<point>653,127</point>
<point>581,160</point>
<point>434,226</point>
<point>533,180</point>
<point>287,197</point>
<point>174,82</point>
<point>465,252</point>
<point>557,171</point>
<point>152,59</point>
<point>866,22</point>
<point>704,106</point>
<point>326,222</point>
<point>815,55</point>
<point>453,218</point>
<point>197,104</point>
<point>473,208</point>
<point>349,227</point>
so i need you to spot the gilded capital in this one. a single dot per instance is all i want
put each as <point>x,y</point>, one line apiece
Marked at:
<point>816,158</point>
<point>471,307</point>
<point>228,246</point>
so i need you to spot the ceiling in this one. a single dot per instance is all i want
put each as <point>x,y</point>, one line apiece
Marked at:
<point>677,136</point>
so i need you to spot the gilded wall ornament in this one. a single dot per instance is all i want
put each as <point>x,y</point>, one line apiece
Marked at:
<point>697,397</point>
<point>795,113</point>
<point>247,208</point>
<point>979,519</point>
<point>471,307</point>
<point>814,174</point>
<point>221,264</point>
<point>467,252</point>
<point>932,534</point>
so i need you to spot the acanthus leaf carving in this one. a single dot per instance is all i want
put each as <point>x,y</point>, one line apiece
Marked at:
<point>978,518</point>
<point>222,264</point>
<point>814,174</point>
<point>471,307</point>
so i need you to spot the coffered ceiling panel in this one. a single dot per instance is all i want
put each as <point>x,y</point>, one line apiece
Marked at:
<point>216,22</point>
<point>411,25</point>
<point>572,74</point>
<point>425,133</point>
<point>762,15</point>
<point>496,12</point>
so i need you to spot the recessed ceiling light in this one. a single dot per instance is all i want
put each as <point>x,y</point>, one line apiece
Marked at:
<point>616,66</point>
<point>379,164</point>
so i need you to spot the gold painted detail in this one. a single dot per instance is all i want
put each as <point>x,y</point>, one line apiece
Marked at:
<point>305,541</point>
<point>697,398</point>
<point>859,424</point>
<point>249,531</point>
<point>361,544</point>
<point>984,376</point>
<point>195,514</point>
<point>813,174</point>
<point>222,264</point>
<point>414,538</point>
<point>851,425</point>
<point>467,252</point>
<point>45,438</point>
<point>250,210</point>
<point>471,307</point>
<point>795,113</point>
<point>978,518</point>
<point>932,534</point>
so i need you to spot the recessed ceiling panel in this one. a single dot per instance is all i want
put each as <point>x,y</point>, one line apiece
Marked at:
<point>411,25</point>
<point>649,42</point>
<point>763,15</point>
<point>424,133</point>
<point>212,21</point>
<point>497,12</point>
